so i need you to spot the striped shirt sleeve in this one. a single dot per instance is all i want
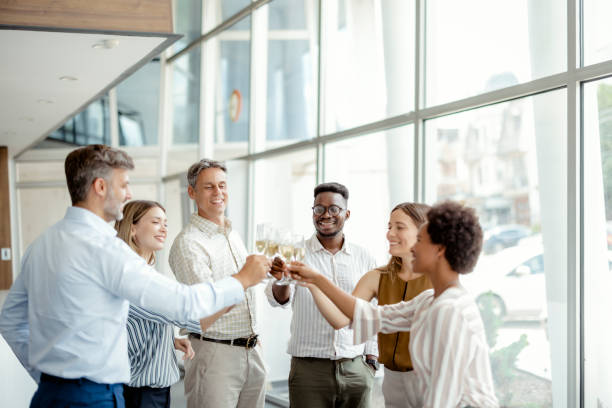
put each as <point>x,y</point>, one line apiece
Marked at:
<point>141,313</point>
<point>369,319</point>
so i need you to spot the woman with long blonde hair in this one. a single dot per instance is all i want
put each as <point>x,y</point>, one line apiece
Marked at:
<point>151,340</point>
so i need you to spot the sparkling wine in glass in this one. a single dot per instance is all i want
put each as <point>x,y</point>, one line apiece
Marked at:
<point>299,248</point>
<point>261,238</point>
<point>285,250</point>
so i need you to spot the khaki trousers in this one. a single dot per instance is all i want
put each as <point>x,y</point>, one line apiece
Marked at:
<point>224,376</point>
<point>401,390</point>
<point>323,383</point>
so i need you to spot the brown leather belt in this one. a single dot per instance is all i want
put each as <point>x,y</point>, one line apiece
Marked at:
<point>246,342</point>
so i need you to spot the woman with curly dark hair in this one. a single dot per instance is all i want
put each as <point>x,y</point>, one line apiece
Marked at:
<point>449,351</point>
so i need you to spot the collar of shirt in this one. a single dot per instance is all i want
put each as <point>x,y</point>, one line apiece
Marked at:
<point>85,216</point>
<point>315,245</point>
<point>208,227</point>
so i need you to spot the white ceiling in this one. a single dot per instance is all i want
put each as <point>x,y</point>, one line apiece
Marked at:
<point>33,99</point>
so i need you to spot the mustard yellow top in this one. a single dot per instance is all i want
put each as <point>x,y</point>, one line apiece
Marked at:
<point>393,347</point>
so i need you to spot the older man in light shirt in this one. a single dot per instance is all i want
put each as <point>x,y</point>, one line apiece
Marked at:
<point>327,369</point>
<point>65,316</point>
<point>228,369</point>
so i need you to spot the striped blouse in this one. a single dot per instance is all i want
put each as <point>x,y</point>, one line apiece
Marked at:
<point>448,346</point>
<point>151,348</point>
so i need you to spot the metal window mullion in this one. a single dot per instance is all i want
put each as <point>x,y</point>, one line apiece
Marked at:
<point>557,81</point>
<point>320,148</point>
<point>220,27</point>
<point>384,124</point>
<point>258,80</point>
<point>250,216</point>
<point>257,130</point>
<point>574,345</point>
<point>15,217</point>
<point>113,112</point>
<point>163,124</point>
<point>419,97</point>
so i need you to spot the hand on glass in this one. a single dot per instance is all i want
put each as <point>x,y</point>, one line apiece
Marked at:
<point>278,268</point>
<point>255,269</point>
<point>303,273</point>
<point>184,345</point>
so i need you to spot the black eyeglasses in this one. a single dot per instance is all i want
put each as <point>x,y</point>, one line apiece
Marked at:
<point>332,209</point>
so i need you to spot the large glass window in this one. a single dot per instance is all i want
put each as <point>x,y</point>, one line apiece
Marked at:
<point>290,96</point>
<point>597,242</point>
<point>597,31</point>
<point>479,46</point>
<point>378,174</point>
<point>138,105</point>
<point>186,97</point>
<point>229,60</point>
<point>187,21</point>
<point>368,61</point>
<point>508,162</point>
<point>217,11</point>
<point>91,126</point>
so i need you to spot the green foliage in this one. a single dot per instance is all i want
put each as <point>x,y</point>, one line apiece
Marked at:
<point>490,320</point>
<point>503,360</point>
<point>604,102</point>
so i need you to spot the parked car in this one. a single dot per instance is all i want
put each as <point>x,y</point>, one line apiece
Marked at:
<point>503,236</point>
<point>513,281</point>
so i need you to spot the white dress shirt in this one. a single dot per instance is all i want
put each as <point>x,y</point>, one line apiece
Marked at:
<point>311,334</point>
<point>66,312</point>
<point>448,346</point>
<point>206,252</point>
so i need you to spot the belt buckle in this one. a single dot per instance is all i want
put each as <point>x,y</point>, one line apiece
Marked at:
<point>251,341</point>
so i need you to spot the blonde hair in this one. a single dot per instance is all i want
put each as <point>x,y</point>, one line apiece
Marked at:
<point>132,213</point>
<point>418,215</point>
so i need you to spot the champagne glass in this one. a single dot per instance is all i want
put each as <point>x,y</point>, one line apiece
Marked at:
<point>262,238</point>
<point>285,249</point>
<point>299,248</point>
<point>273,240</point>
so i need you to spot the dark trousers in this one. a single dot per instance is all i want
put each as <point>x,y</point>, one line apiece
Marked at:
<point>323,383</point>
<point>146,397</point>
<point>55,392</point>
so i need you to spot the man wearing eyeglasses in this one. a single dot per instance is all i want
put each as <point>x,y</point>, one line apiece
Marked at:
<point>327,369</point>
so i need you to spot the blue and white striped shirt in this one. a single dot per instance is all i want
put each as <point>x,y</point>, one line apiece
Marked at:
<point>151,348</point>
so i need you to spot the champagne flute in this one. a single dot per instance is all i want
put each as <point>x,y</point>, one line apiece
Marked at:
<point>273,240</point>
<point>299,248</point>
<point>261,238</point>
<point>265,242</point>
<point>286,252</point>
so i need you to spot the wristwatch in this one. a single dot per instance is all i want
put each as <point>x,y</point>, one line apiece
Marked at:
<point>373,363</point>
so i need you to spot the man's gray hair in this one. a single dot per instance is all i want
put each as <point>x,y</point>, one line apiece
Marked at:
<point>195,169</point>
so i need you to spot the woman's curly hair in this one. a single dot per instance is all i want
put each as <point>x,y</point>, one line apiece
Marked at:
<point>456,227</point>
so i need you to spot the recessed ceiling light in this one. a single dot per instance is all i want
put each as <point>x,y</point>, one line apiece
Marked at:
<point>106,44</point>
<point>45,101</point>
<point>68,78</point>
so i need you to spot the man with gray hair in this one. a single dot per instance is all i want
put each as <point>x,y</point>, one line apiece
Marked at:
<point>65,315</point>
<point>228,369</point>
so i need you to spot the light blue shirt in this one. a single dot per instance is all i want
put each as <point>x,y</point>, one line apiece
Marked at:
<point>66,312</point>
